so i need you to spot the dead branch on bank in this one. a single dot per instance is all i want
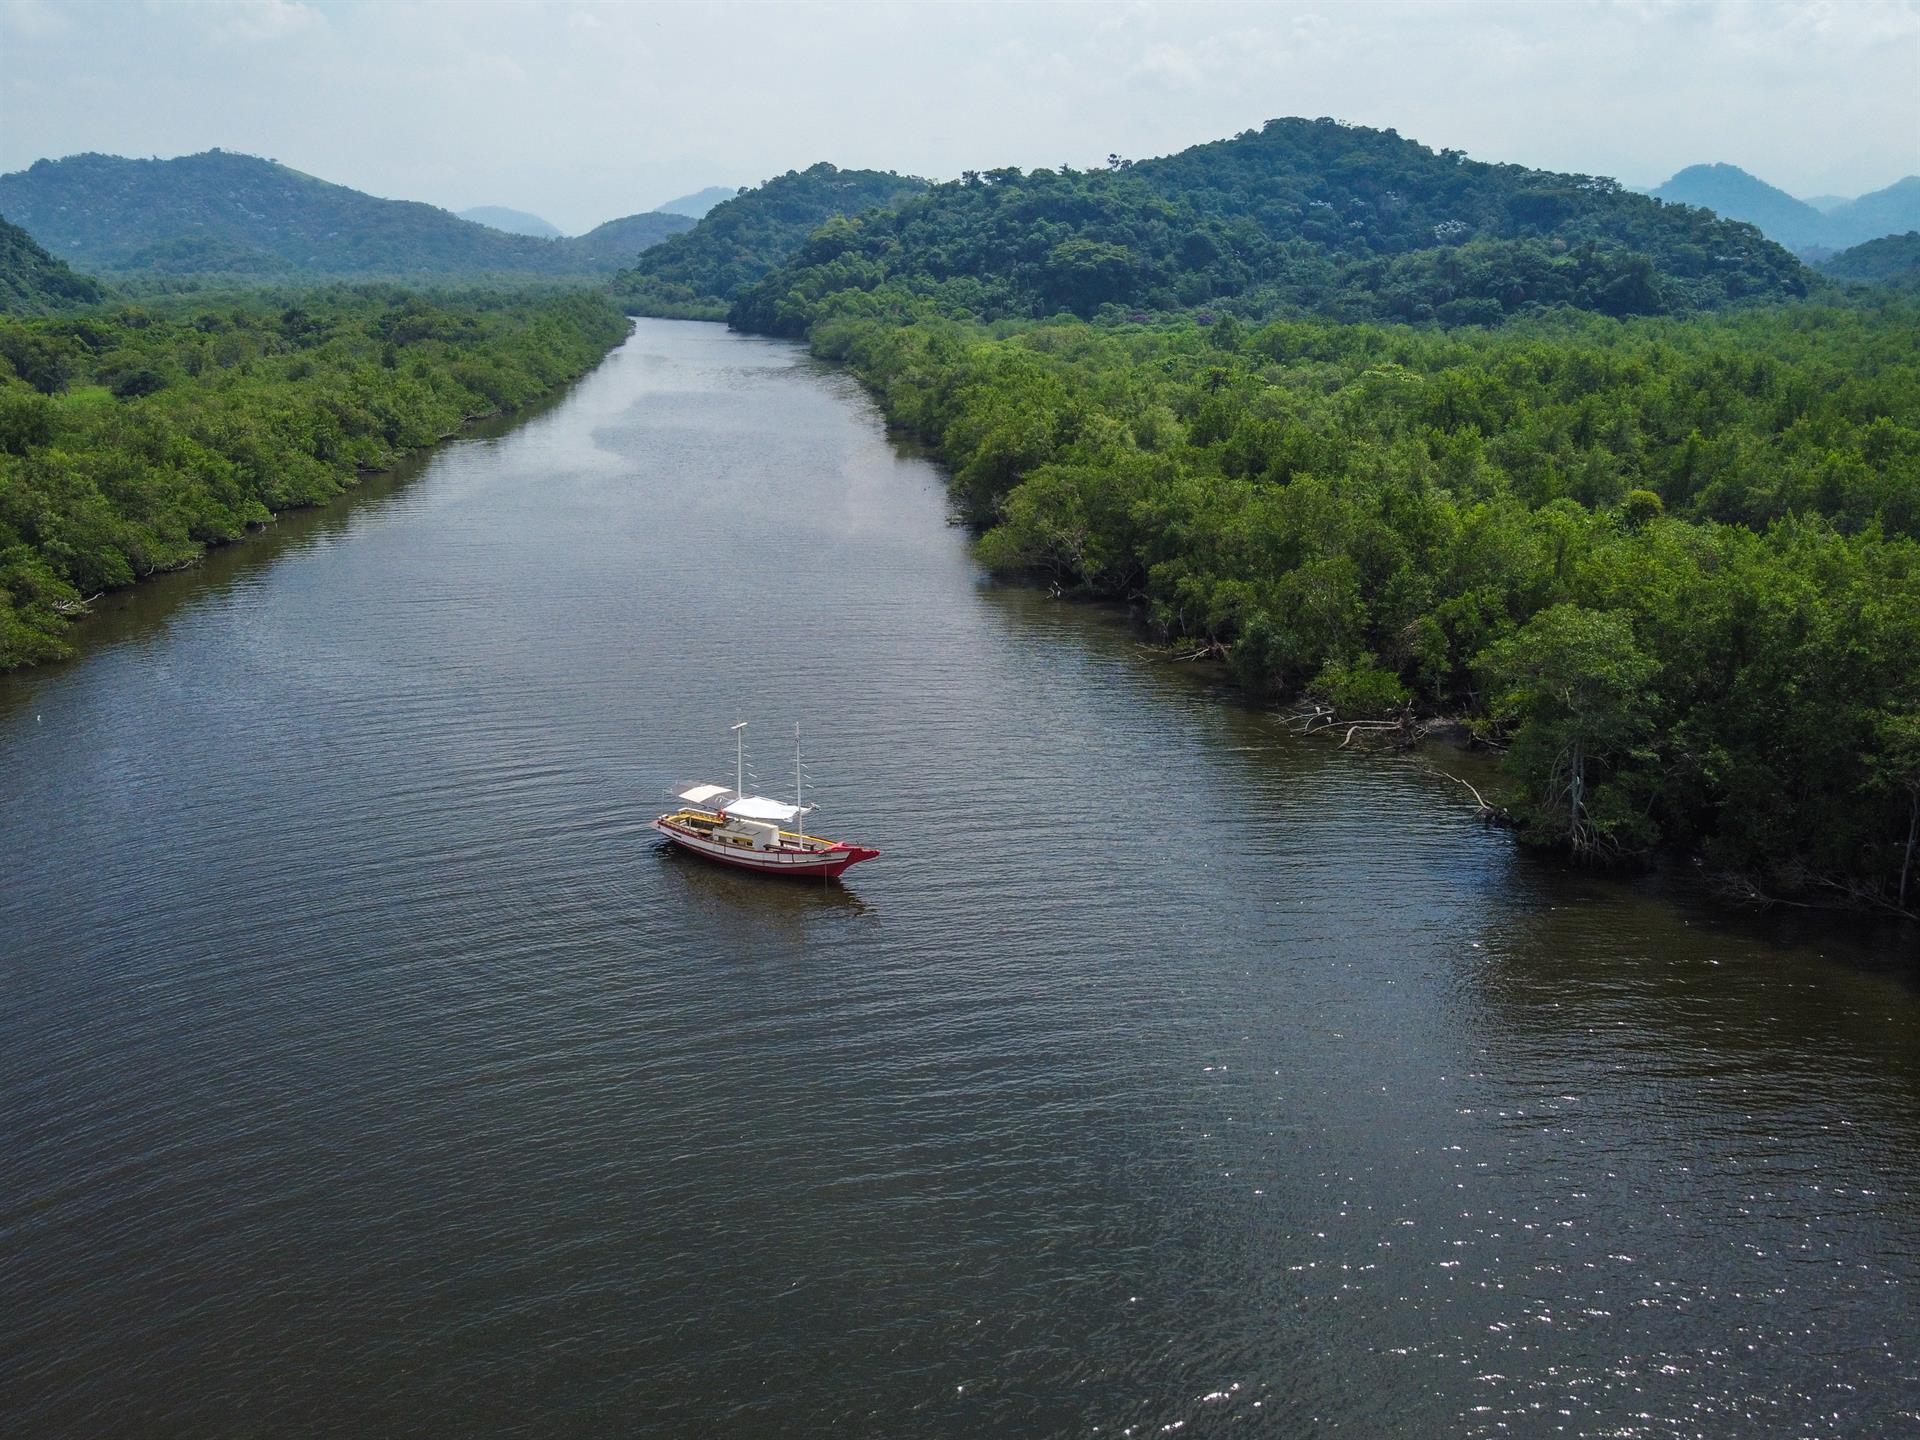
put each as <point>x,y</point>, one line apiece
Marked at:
<point>1489,814</point>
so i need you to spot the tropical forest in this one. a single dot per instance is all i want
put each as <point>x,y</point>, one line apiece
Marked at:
<point>1622,489</point>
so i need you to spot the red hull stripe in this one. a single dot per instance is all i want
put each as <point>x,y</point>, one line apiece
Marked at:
<point>833,861</point>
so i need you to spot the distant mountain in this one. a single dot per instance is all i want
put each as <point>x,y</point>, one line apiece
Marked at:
<point>513,222</point>
<point>1892,211</point>
<point>235,214</point>
<point>1823,223</point>
<point>1300,216</point>
<point>700,202</point>
<point>33,282</point>
<point>741,239</point>
<point>1889,260</point>
<point>1730,191</point>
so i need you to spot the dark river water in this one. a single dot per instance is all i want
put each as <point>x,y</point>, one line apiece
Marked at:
<point>368,1068</point>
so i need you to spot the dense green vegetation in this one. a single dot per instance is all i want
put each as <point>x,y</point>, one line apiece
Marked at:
<point>1302,216</point>
<point>132,438</point>
<point>1800,225</point>
<point>1891,260</point>
<point>244,218</point>
<point>33,282</point>
<point>1672,565</point>
<point>697,275</point>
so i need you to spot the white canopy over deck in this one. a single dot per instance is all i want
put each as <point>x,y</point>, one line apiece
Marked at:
<point>723,801</point>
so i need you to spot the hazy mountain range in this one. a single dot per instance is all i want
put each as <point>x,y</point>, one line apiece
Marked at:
<point>700,202</point>
<point>1824,223</point>
<point>513,222</point>
<point>1301,216</point>
<point>223,213</point>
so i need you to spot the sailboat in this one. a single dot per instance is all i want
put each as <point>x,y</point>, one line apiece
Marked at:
<point>746,831</point>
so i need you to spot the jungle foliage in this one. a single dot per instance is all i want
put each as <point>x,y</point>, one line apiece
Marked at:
<point>1672,566</point>
<point>1301,216</point>
<point>697,275</point>
<point>1890,260</point>
<point>132,438</point>
<point>32,282</point>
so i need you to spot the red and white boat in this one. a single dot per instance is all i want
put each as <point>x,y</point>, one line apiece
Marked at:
<point>745,831</point>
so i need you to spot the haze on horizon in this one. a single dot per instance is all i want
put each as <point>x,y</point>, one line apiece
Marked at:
<point>581,111</point>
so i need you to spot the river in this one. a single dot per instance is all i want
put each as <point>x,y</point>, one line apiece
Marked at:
<point>367,1067</point>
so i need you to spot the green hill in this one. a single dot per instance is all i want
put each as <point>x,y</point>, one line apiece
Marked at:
<point>513,222</point>
<point>220,213</point>
<point>741,239</point>
<point>1890,260</point>
<point>1729,191</point>
<point>608,247</point>
<point>1299,216</point>
<point>33,282</point>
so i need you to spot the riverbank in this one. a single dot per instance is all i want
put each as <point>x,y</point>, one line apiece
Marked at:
<point>1381,518</point>
<point>134,439</point>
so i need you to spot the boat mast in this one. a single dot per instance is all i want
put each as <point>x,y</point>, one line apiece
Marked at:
<point>801,818</point>
<point>740,760</point>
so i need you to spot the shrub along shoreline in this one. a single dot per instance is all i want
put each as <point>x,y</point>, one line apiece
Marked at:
<point>1671,566</point>
<point>133,438</point>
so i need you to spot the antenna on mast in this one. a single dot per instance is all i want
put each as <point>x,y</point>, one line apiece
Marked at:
<point>740,760</point>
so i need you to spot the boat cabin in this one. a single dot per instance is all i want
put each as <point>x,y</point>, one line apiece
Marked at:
<point>729,818</point>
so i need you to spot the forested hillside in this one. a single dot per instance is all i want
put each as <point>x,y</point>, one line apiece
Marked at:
<point>33,282</point>
<point>1891,260</point>
<point>132,438</point>
<point>236,215</point>
<point>1302,216</point>
<point>738,241</point>
<point>1671,566</point>
<point>606,248</point>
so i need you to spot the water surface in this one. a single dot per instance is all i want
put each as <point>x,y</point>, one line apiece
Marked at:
<point>367,1067</point>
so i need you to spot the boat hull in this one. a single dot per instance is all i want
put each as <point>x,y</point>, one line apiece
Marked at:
<point>825,863</point>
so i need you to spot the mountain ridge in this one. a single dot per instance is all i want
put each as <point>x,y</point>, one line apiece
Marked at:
<point>1299,216</point>
<point>1825,222</point>
<point>223,212</point>
<point>699,274</point>
<point>510,221</point>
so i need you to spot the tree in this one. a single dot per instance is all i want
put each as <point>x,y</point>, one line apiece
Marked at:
<point>1896,767</point>
<point>1574,683</point>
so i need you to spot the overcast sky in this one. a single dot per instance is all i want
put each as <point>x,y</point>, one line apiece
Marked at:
<point>581,111</point>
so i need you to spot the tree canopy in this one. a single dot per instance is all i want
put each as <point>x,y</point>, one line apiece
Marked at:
<point>739,240</point>
<point>1301,216</point>
<point>132,438</point>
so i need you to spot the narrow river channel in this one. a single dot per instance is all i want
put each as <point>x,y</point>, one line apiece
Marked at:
<point>366,1067</point>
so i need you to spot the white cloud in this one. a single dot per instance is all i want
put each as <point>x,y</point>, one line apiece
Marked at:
<point>32,20</point>
<point>253,22</point>
<point>580,110</point>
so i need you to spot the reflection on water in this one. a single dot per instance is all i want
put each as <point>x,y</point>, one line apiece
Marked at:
<point>368,1065</point>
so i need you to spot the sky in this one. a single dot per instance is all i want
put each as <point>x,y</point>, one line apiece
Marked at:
<point>580,111</point>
